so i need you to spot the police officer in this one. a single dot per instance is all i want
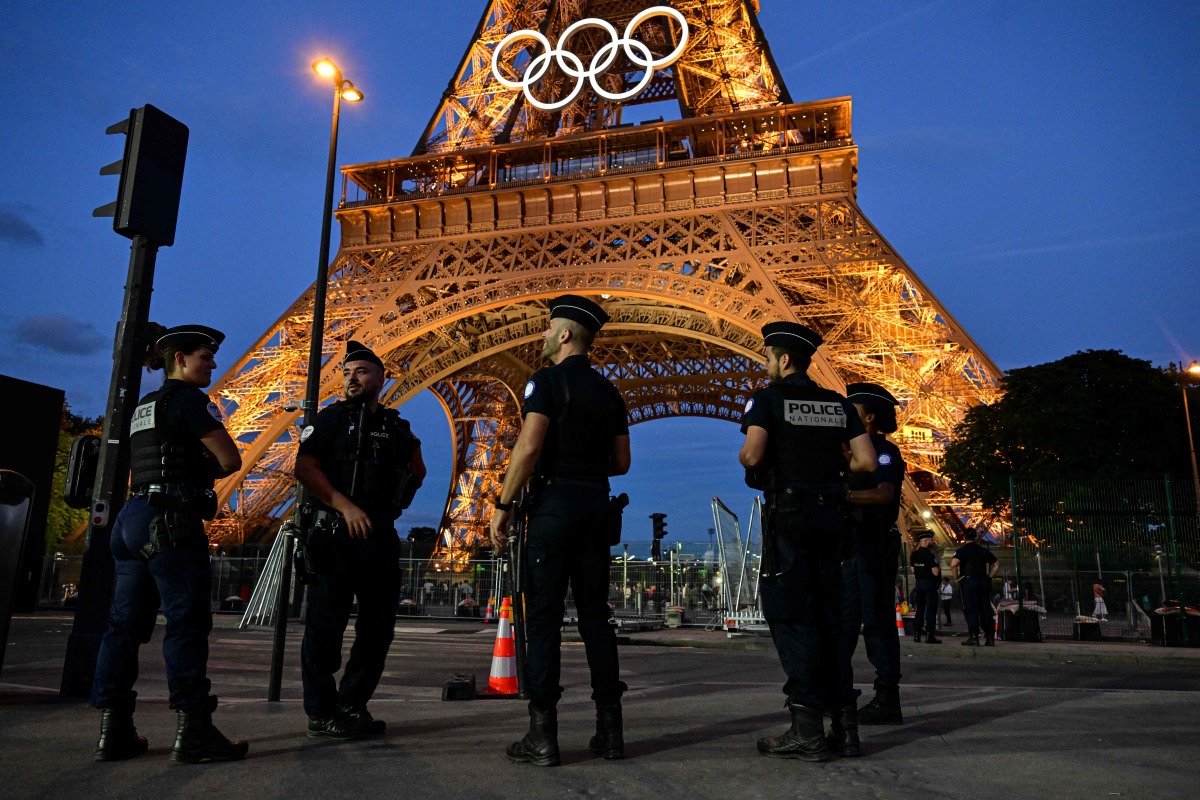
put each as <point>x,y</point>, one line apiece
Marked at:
<point>795,435</point>
<point>574,436</point>
<point>869,575</point>
<point>926,571</point>
<point>361,465</point>
<point>973,568</point>
<point>179,448</point>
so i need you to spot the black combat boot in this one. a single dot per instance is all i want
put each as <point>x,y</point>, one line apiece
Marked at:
<point>842,737</point>
<point>540,745</point>
<point>609,740</point>
<point>367,724</point>
<point>971,641</point>
<point>931,639</point>
<point>884,709</point>
<point>804,740</point>
<point>197,740</point>
<point>119,739</point>
<point>917,637</point>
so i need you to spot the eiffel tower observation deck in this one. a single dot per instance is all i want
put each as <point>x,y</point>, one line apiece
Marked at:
<point>694,232</point>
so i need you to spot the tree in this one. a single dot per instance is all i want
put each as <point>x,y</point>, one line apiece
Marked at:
<point>61,518</point>
<point>1094,414</point>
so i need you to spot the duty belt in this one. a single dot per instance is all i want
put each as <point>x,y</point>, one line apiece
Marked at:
<point>593,483</point>
<point>153,488</point>
<point>805,498</point>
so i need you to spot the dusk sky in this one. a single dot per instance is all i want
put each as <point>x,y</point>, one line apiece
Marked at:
<point>1036,163</point>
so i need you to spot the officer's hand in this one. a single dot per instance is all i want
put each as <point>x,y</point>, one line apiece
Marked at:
<point>499,528</point>
<point>357,521</point>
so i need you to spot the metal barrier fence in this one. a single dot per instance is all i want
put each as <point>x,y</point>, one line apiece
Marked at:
<point>1135,543</point>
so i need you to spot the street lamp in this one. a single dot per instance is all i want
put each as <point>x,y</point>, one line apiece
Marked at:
<point>1193,370</point>
<point>342,90</point>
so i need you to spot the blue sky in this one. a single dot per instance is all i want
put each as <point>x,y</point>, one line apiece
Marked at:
<point>1036,164</point>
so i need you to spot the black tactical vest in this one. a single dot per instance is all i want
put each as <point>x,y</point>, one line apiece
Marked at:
<point>579,441</point>
<point>807,444</point>
<point>165,454</point>
<point>387,447</point>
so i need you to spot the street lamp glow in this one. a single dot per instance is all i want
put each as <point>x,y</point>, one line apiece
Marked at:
<point>350,94</point>
<point>325,68</point>
<point>1194,368</point>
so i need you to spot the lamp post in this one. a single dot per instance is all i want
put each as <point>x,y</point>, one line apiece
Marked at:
<point>1193,370</point>
<point>342,90</point>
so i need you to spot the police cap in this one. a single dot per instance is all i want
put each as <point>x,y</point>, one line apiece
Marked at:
<point>868,393</point>
<point>791,336</point>
<point>578,309</point>
<point>923,535</point>
<point>189,337</point>
<point>360,352</point>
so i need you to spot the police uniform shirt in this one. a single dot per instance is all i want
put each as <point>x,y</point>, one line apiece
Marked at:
<point>595,415</point>
<point>387,446</point>
<point>825,415</point>
<point>923,561</point>
<point>186,415</point>
<point>974,560</point>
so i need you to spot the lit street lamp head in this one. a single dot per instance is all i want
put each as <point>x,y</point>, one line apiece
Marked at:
<point>1194,368</point>
<point>327,69</point>
<point>350,94</point>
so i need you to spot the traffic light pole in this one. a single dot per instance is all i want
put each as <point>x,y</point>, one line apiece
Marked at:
<point>112,472</point>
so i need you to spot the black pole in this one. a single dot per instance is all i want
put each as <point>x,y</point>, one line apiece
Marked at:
<point>96,577</point>
<point>312,394</point>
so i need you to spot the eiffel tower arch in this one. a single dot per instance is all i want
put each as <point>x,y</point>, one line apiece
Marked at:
<point>693,232</point>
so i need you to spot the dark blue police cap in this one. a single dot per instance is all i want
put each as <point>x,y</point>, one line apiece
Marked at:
<point>791,336</point>
<point>923,535</point>
<point>578,309</point>
<point>360,352</point>
<point>189,337</point>
<point>866,393</point>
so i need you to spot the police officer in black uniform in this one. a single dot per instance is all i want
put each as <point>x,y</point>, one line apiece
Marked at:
<point>179,448</point>
<point>795,435</point>
<point>973,568</point>
<point>574,436</point>
<point>361,466</point>
<point>869,573</point>
<point>926,573</point>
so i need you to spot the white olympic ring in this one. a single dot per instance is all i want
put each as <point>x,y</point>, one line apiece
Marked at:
<point>568,62</point>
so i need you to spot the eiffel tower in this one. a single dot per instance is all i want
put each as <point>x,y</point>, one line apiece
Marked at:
<point>694,232</point>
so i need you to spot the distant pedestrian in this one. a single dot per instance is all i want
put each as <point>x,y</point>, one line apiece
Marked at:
<point>1101,610</point>
<point>974,567</point>
<point>947,596</point>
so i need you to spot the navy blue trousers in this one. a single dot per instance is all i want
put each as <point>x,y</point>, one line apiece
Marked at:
<point>567,545</point>
<point>177,579</point>
<point>868,588</point>
<point>925,604</point>
<point>977,606</point>
<point>371,572</point>
<point>802,602</point>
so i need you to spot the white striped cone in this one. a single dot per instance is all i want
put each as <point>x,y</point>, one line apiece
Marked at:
<point>899,623</point>
<point>503,677</point>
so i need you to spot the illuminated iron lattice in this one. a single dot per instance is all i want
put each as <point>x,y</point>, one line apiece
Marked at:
<point>694,232</point>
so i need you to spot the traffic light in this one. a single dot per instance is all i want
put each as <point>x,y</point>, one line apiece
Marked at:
<point>151,173</point>
<point>660,530</point>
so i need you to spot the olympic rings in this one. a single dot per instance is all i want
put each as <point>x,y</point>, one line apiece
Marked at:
<point>572,65</point>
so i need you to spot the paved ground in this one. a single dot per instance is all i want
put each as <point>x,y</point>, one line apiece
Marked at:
<point>1063,720</point>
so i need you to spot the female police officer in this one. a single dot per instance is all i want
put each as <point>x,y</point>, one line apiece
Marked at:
<point>161,553</point>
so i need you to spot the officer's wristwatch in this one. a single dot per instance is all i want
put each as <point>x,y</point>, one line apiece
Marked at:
<point>502,506</point>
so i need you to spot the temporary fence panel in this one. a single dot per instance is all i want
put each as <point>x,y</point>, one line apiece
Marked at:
<point>732,555</point>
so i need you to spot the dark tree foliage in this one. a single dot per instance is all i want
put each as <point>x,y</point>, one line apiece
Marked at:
<point>62,519</point>
<point>1094,414</point>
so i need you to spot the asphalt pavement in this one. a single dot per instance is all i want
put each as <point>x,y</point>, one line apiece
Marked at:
<point>1050,719</point>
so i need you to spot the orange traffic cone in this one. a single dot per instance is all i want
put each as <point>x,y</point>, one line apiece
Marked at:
<point>899,622</point>
<point>490,614</point>
<point>502,681</point>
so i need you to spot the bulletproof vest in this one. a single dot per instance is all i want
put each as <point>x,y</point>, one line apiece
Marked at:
<point>807,445</point>
<point>579,441</point>
<point>162,453</point>
<point>387,450</point>
<point>972,560</point>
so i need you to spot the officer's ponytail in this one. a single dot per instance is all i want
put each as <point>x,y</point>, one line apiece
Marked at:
<point>152,357</point>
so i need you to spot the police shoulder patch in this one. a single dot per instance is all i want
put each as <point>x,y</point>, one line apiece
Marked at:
<point>214,411</point>
<point>884,459</point>
<point>307,432</point>
<point>530,387</point>
<point>749,405</point>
